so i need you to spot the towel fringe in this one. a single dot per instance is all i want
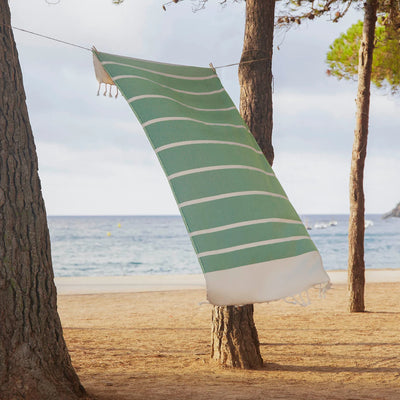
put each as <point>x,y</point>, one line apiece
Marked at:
<point>304,302</point>
<point>103,77</point>
<point>323,288</point>
<point>301,299</point>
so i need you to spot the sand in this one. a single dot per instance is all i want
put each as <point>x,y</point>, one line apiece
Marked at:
<point>156,344</point>
<point>156,283</point>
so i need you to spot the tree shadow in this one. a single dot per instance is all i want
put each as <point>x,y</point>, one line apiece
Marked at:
<point>327,369</point>
<point>383,312</point>
<point>369,344</point>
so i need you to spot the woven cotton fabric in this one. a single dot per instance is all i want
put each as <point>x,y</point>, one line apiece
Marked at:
<point>249,240</point>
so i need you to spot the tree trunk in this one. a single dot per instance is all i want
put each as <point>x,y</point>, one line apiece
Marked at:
<point>234,335</point>
<point>34,360</point>
<point>356,266</point>
<point>255,73</point>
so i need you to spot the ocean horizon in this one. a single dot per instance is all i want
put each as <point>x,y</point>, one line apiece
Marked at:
<point>120,245</point>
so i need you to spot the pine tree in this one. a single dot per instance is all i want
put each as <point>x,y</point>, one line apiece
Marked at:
<point>34,360</point>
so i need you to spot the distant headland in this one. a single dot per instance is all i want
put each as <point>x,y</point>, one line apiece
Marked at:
<point>394,213</point>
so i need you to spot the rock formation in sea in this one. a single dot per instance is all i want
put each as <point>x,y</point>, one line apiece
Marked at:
<point>394,213</point>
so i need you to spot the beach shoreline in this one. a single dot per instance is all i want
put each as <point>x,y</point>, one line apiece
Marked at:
<point>155,283</point>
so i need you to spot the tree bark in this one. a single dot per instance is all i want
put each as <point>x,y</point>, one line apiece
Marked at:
<point>34,360</point>
<point>234,338</point>
<point>255,73</point>
<point>356,265</point>
<point>234,335</point>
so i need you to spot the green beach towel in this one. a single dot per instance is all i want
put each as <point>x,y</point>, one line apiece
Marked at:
<point>249,240</point>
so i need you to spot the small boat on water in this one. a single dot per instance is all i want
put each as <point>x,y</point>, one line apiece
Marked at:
<point>368,223</point>
<point>321,225</point>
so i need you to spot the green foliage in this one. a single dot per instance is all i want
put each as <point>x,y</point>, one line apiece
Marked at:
<point>342,57</point>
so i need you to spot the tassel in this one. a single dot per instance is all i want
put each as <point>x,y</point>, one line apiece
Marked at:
<point>109,91</point>
<point>105,92</point>
<point>98,92</point>
<point>117,93</point>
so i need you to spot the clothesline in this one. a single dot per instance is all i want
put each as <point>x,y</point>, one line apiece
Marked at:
<point>52,38</point>
<point>89,49</point>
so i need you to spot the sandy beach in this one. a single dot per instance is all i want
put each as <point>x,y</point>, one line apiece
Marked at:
<point>149,338</point>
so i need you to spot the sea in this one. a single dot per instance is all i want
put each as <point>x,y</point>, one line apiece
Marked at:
<point>129,245</point>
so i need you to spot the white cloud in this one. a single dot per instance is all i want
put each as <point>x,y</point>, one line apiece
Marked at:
<point>108,181</point>
<point>94,157</point>
<point>385,105</point>
<point>382,191</point>
<point>318,183</point>
<point>296,104</point>
<point>315,183</point>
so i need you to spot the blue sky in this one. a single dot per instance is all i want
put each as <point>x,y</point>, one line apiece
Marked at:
<point>94,158</point>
